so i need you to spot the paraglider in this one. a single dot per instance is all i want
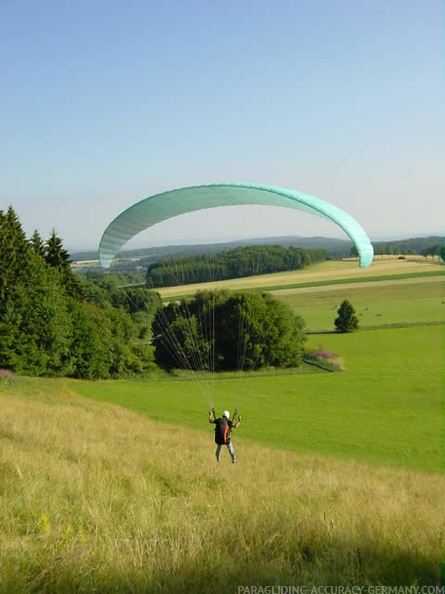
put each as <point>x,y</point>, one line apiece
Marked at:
<point>223,428</point>
<point>160,207</point>
<point>186,332</point>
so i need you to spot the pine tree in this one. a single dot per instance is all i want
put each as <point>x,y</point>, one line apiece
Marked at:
<point>13,252</point>
<point>37,244</point>
<point>346,321</point>
<point>58,257</point>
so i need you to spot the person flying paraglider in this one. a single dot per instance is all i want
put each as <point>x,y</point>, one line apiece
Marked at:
<point>223,427</point>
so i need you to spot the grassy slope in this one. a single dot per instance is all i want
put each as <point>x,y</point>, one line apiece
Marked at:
<point>97,498</point>
<point>385,408</point>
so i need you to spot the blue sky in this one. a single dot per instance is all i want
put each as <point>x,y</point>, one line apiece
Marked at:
<point>105,103</point>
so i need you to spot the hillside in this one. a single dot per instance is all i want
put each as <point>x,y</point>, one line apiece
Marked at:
<point>98,498</point>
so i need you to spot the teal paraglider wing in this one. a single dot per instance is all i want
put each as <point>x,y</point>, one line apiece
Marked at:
<point>157,208</point>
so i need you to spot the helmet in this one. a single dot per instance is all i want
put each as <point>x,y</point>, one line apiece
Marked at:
<point>226,414</point>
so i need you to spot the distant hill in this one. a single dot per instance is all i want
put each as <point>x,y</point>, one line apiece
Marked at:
<point>413,245</point>
<point>174,251</point>
<point>137,260</point>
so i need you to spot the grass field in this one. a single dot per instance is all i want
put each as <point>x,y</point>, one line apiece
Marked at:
<point>96,498</point>
<point>113,486</point>
<point>385,408</point>
<point>408,301</point>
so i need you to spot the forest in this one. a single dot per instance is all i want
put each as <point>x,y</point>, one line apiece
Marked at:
<point>53,324</point>
<point>235,263</point>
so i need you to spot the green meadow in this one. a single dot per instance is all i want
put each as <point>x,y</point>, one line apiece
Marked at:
<point>113,487</point>
<point>377,304</point>
<point>384,407</point>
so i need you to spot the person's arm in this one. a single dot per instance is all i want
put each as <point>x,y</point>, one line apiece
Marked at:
<point>237,423</point>
<point>211,414</point>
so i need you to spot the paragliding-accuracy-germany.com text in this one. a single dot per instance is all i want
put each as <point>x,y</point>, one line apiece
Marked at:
<point>341,589</point>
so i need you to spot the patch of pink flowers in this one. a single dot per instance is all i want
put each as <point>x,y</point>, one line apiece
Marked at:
<point>323,353</point>
<point>7,374</point>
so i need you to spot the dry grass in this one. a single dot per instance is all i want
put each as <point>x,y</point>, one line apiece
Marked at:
<point>96,498</point>
<point>329,270</point>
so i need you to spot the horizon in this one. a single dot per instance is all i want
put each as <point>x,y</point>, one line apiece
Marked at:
<point>137,246</point>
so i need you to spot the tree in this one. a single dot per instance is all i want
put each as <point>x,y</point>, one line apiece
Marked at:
<point>433,250</point>
<point>346,321</point>
<point>91,340</point>
<point>13,251</point>
<point>137,300</point>
<point>37,244</point>
<point>35,323</point>
<point>225,331</point>
<point>284,344</point>
<point>58,257</point>
<point>256,330</point>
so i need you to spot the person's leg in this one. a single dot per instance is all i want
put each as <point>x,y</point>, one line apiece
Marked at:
<point>232,452</point>
<point>218,452</point>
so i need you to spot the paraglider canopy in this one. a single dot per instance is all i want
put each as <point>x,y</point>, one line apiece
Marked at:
<point>160,207</point>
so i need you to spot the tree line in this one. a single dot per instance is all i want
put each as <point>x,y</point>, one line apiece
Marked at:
<point>437,249</point>
<point>236,263</point>
<point>51,323</point>
<point>422,246</point>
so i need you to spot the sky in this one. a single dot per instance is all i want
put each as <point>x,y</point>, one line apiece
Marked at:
<point>103,103</point>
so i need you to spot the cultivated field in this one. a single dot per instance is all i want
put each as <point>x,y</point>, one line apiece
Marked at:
<point>113,486</point>
<point>326,272</point>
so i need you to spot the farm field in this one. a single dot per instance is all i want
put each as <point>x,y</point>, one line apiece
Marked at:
<point>328,272</point>
<point>112,486</point>
<point>377,304</point>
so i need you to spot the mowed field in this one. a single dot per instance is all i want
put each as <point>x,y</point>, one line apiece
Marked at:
<point>384,303</point>
<point>113,486</point>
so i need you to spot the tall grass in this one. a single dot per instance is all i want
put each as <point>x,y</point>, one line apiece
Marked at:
<point>95,498</point>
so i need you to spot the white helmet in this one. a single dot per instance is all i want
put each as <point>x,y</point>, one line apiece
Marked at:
<point>226,414</point>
